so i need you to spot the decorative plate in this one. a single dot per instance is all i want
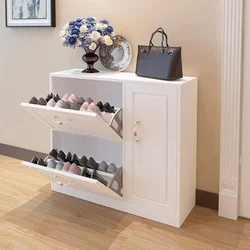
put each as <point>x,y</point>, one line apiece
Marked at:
<point>117,56</point>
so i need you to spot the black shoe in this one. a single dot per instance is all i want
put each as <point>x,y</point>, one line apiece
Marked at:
<point>69,158</point>
<point>83,161</point>
<point>42,102</point>
<point>92,164</point>
<point>49,96</point>
<point>33,100</point>
<point>86,173</point>
<point>107,108</point>
<point>61,156</point>
<point>41,163</point>
<point>96,176</point>
<point>100,106</point>
<point>34,160</point>
<point>76,160</point>
<point>53,154</point>
<point>56,98</point>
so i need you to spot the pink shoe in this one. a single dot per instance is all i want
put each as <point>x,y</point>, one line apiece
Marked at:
<point>74,169</point>
<point>84,107</point>
<point>66,97</point>
<point>94,108</point>
<point>66,167</point>
<point>73,98</point>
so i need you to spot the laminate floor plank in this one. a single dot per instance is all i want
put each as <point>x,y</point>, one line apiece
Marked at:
<point>34,217</point>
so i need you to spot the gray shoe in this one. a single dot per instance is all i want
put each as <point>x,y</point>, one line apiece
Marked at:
<point>75,106</point>
<point>62,104</point>
<point>80,101</point>
<point>51,103</point>
<point>52,164</point>
<point>42,102</point>
<point>112,169</point>
<point>119,180</point>
<point>89,100</point>
<point>33,100</point>
<point>103,166</point>
<point>59,165</point>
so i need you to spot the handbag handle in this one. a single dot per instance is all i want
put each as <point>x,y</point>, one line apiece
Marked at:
<point>161,31</point>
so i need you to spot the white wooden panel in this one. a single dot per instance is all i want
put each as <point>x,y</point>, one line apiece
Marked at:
<point>150,156</point>
<point>151,165</point>
<point>74,181</point>
<point>245,169</point>
<point>72,121</point>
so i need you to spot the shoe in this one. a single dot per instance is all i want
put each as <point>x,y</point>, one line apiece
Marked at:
<point>66,97</point>
<point>61,156</point>
<point>52,164</point>
<point>93,108</point>
<point>83,161</point>
<point>33,100</point>
<point>41,163</point>
<point>69,157</point>
<point>103,166</point>
<point>84,107</point>
<point>75,106</point>
<point>62,104</point>
<point>119,182</point>
<point>86,173</point>
<point>72,98</point>
<point>76,160</point>
<point>34,160</point>
<point>59,165</point>
<point>56,98</point>
<point>49,97</point>
<point>100,105</point>
<point>53,154</point>
<point>42,102</point>
<point>96,176</point>
<point>89,100</point>
<point>66,167</point>
<point>51,103</point>
<point>74,169</point>
<point>92,164</point>
<point>112,169</point>
<point>107,108</point>
<point>80,101</point>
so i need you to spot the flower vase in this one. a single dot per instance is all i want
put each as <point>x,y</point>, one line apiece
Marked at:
<point>90,58</point>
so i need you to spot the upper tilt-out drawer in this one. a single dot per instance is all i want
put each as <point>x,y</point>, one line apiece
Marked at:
<point>71,121</point>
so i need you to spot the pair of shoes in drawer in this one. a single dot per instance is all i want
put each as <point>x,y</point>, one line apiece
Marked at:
<point>39,161</point>
<point>106,107</point>
<point>54,97</point>
<point>55,165</point>
<point>50,99</point>
<point>104,167</point>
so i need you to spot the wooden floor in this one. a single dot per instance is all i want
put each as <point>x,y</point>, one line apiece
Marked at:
<point>32,217</point>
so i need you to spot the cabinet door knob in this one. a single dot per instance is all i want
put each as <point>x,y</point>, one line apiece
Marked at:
<point>135,133</point>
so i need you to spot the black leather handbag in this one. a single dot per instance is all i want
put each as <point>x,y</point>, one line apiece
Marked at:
<point>160,62</point>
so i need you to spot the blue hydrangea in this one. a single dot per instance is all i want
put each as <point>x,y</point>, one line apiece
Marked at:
<point>72,23</point>
<point>104,22</point>
<point>90,19</point>
<point>72,40</point>
<point>74,31</point>
<point>109,29</point>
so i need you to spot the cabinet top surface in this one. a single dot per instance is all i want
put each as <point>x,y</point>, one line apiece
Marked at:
<point>116,77</point>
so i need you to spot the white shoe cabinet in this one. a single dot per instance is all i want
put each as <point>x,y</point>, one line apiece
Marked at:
<point>157,146</point>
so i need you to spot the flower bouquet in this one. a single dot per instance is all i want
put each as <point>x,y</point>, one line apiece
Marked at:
<point>87,33</point>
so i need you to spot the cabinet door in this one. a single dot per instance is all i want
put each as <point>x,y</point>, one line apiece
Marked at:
<point>150,146</point>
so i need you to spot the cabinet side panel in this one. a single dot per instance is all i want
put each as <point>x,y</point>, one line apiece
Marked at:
<point>188,142</point>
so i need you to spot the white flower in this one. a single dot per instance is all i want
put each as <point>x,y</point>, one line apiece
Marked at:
<point>112,34</point>
<point>83,28</point>
<point>78,43</point>
<point>94,35</point>
<point>62,33</point>
<point>101,26</point>
<point>107,40</point>
<point>66,27</point>
<point>92,46</point>
<point>63,39</point>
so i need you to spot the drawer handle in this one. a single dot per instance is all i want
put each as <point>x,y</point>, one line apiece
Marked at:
<point>62,184</point>
<point>135,133</point>
<point>57,121</point>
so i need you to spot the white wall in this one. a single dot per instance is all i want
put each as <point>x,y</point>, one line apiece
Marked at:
<point>29,54</point>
